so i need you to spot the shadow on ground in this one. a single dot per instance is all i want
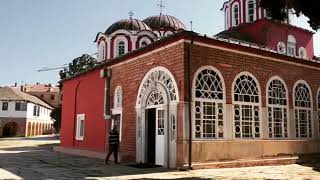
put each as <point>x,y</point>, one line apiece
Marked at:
<point>41,162</point>
<point>310,160</point>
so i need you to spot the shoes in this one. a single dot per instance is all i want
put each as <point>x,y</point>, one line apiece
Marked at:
<point>106,162</point>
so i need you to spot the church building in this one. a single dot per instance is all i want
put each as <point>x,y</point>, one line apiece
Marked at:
<point>180,98</point>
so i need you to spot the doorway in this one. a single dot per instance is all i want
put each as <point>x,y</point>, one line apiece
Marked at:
<point>10,129</point>
<point>151,135</point>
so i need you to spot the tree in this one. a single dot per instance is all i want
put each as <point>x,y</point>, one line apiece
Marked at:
<point>77,66</point>
<point>278,10</point>
<point>56,115</point>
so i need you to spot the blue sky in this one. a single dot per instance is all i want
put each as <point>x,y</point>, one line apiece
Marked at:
<point>44,33</point>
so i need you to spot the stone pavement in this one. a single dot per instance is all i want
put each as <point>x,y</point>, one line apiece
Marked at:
<point>33,158</point>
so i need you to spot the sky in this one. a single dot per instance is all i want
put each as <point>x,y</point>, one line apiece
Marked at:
<point>50,33</point>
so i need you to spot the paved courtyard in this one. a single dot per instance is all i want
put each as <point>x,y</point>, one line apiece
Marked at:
<point>33,158</point>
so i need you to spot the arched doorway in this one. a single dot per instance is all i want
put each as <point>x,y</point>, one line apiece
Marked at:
<point>10,129</point>
<point>156,107</point>
<point>29,133</point>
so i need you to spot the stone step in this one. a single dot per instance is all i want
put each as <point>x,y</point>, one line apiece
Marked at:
<point>247,163</point>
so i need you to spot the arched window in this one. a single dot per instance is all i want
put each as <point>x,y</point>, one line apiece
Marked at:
<point>121,48</point>
<point>227,18</point>
<point>101,51</point>
<point>277,109</point>
<point>291,46</point>
<point>246,103</point>
<point>118,97</point>
<point>144,43</point>
<point>303,110</point>
<point>235,14</point>
<point>209,104</point>
<point>251,11</point>
<point>303,53</point>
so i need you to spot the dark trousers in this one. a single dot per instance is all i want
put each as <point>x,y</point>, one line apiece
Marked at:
<point>113,148</point>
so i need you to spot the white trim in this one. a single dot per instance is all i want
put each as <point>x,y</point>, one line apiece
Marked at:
<point>149,53</point>
<point>80,117</point>
<point>252,54</point>
<point>241,11</point>
<point>254,12</point>
<point>233,14</point>
<point>280,106</point>
<point>304,51</point>
<point>102,51</point>
<point>144,39</point>
<point>158,68</point>
<point>168,33</point>
<point>227,17</point>
<point>199,70</point>
<point>116,42</point>
<point>259,104</point>
<point>117,90</point>
<point>303,108</point>
<point>121,31</point>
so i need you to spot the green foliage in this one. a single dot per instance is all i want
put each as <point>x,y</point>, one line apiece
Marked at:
<point>278,10</point>
<point>56,115</point>
<point>77,66</point>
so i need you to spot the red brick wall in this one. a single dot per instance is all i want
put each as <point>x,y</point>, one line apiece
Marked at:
<point>130,75</point>
<point>230,64</point>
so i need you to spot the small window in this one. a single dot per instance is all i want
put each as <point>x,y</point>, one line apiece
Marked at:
<point>17,106</point>
<point>144,43</point>
<point>52,97</point>
<point>291,46</point>
<point>38,111</point>
<point>34,110</point>
<point>251,11</point>
<point>80,126</point>
<point>302,53</point>
<point>5,106</point>
<point>121,48</point>
<point>101,51</point>
<point>235,15</point>
<point>23,106</point>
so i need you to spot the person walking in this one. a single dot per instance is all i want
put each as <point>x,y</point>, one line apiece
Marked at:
<point>113,145</point>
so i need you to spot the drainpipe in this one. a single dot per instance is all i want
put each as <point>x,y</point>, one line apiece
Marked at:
<point>189,100</point>
<point>75,114</point>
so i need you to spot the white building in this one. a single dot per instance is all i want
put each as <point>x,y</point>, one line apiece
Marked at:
<point>22,114</point>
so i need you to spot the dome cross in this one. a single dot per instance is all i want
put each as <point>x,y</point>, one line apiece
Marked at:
<point>131,13</point>
<point>162,6</point>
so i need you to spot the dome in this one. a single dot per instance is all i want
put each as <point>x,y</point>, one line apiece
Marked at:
<point>127,24</point>
<point>164,21</point>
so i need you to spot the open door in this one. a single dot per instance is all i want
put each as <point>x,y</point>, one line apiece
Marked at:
<point>160,137</point>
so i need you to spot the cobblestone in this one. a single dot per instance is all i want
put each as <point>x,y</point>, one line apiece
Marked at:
<point>33,158</point>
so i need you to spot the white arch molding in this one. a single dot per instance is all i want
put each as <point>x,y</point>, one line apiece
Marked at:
<point>280,103</point>
<point>303,107</point>
<point>244,109</point>
<point>210,86</point>
<point>116,42</point>
<point>102,51</point>
<point>159,91</point>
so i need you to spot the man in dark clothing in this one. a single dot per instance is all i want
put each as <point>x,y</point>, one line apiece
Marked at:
<point>113,144</point>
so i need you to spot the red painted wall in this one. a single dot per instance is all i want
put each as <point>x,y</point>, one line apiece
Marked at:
<point>269,33</point>
<point>84,94</point>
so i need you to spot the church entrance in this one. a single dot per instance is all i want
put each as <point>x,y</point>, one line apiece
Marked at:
<point>155,136</point>
<point>151,135</point>
<point>156,102</point>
